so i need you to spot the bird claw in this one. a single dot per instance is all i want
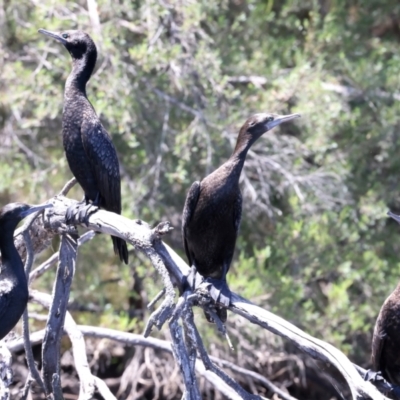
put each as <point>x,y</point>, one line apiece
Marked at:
<point>373,376</point>
<point>219,291</point>
<point>193,279</point>
<point>80,213</point>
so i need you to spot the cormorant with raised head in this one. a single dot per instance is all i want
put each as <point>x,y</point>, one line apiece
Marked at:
<point>212,213</point>
<point>13,283</point>
<point>88,147</point>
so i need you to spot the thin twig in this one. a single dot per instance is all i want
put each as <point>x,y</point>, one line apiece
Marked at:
<point>33,371</point>
<point>88,382</point>
<point>27,387</point>
<point>68,186</point>
<point>181,355</point>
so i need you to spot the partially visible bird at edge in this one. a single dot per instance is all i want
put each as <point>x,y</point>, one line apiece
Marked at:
<point>212,214</point>
<point>90,152</point>
<point>385,355</point>
<point>13,283</point>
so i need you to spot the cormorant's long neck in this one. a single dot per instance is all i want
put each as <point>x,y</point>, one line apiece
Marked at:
<point>238,157</point>
<point>10,258</point>
<point>82,69</point>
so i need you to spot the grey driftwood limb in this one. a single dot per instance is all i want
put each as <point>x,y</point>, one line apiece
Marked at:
<point>58,309</point>
<point>140,235</point>
<point>54,258</point>
<point>182,355</point>
<point>88,382</point>
<point>133,339</point>
<point>148,240</point>
<point>6,374</point>
<point>33,371</point>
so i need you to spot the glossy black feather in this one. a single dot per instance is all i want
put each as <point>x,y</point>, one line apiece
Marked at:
<point>88,147</point>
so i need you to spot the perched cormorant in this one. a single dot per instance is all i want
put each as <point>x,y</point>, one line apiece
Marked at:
<point>212,213</point>
<point>13,283</point>
<point>386,339</point>
<point>385,355</point>
<point>88,147</point>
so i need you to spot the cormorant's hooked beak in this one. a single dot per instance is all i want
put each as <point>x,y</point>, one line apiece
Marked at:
<point>33,209</point>
<point>394,216</point>
<point>54,35</point>
<point>280,119</point>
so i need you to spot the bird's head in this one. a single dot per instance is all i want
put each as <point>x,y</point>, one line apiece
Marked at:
<point>260,123</point>
<point>13,213</point>
<point>78,43</point>
<point>257,125</point>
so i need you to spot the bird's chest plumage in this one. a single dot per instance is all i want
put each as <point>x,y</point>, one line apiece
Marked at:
<point>216,207</point>
<point>212,231</point>
<point>74,113</point>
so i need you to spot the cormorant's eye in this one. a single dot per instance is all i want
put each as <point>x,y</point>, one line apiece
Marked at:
<point>65,35</point>
<point>269,119</point>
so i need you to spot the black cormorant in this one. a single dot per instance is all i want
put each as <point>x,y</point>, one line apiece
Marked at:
<point>386,339</point>
<point>385,355</point>
<point>13,283</point>
<point>212,212</point>
<point>88,147</point>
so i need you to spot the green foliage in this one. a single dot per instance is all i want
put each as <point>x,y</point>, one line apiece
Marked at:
<point>315,246</point>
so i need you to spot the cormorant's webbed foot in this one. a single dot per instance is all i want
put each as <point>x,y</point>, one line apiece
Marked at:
<point>219,291</point>
<point>193,279</point>
<point>80,213</point>
<point>373,376</point>
<point>385,387</point>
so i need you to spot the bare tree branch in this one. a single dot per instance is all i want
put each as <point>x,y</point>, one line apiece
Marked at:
<point>148,241</point>
<point>88,382</point>
<point>6,374</point>
<point>53,260</point>
<point>58,309</point>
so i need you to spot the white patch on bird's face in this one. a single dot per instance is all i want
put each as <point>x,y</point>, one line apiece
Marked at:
<point>5,286</point>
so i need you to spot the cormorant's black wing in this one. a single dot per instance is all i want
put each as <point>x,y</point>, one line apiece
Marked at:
<point>103,157</point>
<point>5,300</point>
<point>237,214</point>
<point>378,342</point>
<point>188,210</point>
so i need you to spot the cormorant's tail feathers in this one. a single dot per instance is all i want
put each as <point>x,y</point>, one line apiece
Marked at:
<point>120,248</point>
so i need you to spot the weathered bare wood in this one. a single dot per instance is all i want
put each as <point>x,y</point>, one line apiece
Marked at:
<point>197,343</point>
<point>315,347</point>
<point>148,240</point>
<point>58,309</point>
<point>88,382</point>
<point>33,372</point>
<point>53,259</point>
<point>181,355</point>
<point>132,339</point>
<point>6,374</point>
<point>40,233</point>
